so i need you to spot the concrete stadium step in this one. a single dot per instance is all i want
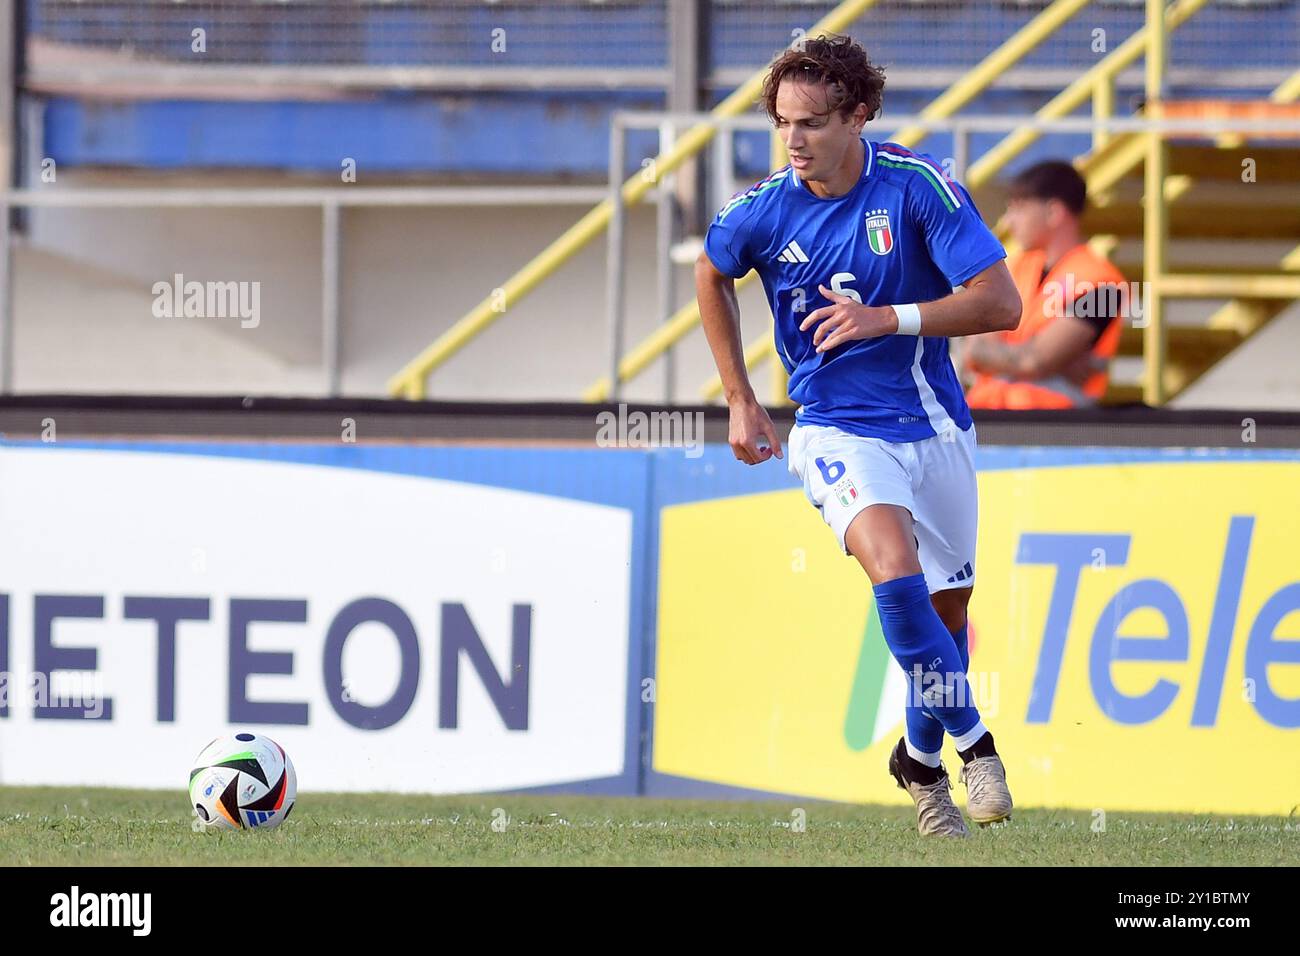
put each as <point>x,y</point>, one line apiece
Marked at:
<point>78,329</point>
<point>1273,163</point>
<point>1216,210</point>
<point>1200,255</point>
<point>1211,161</point>
<point>1187,341</point>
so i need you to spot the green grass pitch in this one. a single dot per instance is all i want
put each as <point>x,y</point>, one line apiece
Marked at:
<point>83,827</point>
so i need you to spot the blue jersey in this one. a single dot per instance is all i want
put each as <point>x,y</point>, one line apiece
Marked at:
<point>904,233</point>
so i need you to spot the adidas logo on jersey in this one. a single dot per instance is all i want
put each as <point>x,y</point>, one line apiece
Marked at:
<point>792,253</point>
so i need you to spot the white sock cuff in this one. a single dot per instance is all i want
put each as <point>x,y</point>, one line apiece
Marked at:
<point>965,741</point>
<point>920,756</point>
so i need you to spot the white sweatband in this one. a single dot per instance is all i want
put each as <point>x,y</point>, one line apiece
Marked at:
<point>909,319</point>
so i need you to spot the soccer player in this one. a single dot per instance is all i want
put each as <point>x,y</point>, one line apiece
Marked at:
<point>861,247</point>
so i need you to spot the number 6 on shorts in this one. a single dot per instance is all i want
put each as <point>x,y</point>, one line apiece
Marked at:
<point>830,473</point>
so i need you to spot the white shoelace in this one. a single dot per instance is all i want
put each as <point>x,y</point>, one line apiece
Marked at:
<point>935,802</point>
<point>978,775</point>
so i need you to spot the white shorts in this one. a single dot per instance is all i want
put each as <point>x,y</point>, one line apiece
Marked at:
<point>933,478</point>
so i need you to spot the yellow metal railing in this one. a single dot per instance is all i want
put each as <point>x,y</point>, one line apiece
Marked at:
<point>1104,168</point>
<point>945,105</point>
<point>410,382</point>
<point>1077,93</point>
<point>1115,157</point>
<point>1111,159</point>
<point>984,73</point>
<point>1242,314</point>
<point>1155,224</point>
<point>958,95</point>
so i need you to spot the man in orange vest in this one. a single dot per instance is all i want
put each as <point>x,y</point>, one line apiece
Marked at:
<point>1074,301</point>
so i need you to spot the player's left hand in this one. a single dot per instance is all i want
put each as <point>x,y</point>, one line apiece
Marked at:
<point>847,319</point>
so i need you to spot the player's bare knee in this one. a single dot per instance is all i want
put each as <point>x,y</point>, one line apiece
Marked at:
<point>883,565</point>
<point>951,606</point>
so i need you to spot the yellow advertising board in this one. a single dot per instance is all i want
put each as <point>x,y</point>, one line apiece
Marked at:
<point>1135,641</point>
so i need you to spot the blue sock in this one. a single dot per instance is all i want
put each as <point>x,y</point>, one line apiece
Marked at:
<point>962,641</point>
<point>928,655</point>
<point>924,738</point>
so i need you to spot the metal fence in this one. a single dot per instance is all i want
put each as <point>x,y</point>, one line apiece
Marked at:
<point>329,201</point>
<point>620,36</point>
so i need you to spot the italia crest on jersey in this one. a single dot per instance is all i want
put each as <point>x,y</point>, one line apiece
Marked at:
<point>879,233</point>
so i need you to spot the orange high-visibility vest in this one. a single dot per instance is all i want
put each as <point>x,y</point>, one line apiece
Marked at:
<point>1047,298</point>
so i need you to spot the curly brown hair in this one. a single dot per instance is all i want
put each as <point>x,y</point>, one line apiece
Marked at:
<point>838,62</point>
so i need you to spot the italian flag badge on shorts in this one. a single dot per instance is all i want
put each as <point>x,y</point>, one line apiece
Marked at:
<point>846,492</point>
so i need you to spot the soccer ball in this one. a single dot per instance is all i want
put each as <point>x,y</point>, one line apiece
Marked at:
<point>242,781</point>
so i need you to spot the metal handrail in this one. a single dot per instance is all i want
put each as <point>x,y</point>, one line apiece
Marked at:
<point>984,73</point>
<point>685,319</point>
<point>1147,145</point>
<point>976,80</point>
<point>1172,285</point>
<point>1077,93</point>
<point>410,381</point>
<point>1105,167</point>
<point>123,197</point>
<point>328,200</point>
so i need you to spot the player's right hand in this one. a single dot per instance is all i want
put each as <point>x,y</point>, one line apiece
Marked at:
<point>751,434</point>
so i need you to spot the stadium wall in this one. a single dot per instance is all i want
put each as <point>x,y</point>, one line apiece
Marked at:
<point>516,616</point>
<point>84,320</point>
<point>564,136</point>
<point>84,306</point>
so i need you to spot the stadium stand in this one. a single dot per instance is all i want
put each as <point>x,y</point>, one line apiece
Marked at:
<point>121,93</point>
